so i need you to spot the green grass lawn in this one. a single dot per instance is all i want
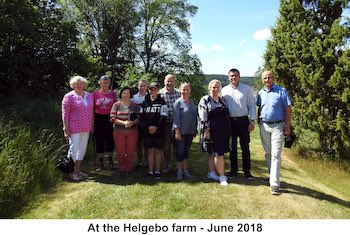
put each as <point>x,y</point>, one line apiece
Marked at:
<point>310,190</point>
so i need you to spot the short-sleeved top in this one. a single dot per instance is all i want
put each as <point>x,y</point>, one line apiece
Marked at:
<point>169,99</point>
<point>185,117</point>
<point>121,112</point>
<point>273,103</point>
<point>78,111</point>
<point>104,102</point>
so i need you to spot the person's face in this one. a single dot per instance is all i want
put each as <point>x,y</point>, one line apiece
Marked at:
<point>185,90</point>
<point>234,77</point>
<point>169,83</point>
<point>267,79</point>
<point>153,91</point>
<point>215,89</point>
<point>79,86</point>
<point>126,94</point>
<point>142,87</point>
<point>105,85</point>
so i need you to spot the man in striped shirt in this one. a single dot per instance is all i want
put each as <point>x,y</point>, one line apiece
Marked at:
<point>169,93</point>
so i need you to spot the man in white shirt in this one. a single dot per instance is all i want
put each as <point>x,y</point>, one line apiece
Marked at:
<point>240,100</point>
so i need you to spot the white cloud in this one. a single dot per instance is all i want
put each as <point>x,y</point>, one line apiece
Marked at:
<point>196,48</point>
<point>243,41</point>
<point>249,53</point>
<point>217,47</point>
<point>262,34</point>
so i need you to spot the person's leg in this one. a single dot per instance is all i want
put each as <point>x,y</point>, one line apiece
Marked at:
<point>131,141</point>
<point>277,140</point>
<point>244,140</point>
<point>265,137</point>
<point>167,147</point>
<point>180,146</point>
<point>220,165</point>
<point>188,141</point>
<point>109,143</point>
<point>120,144</point>
<point>82,147</point>
<point>233,151</point>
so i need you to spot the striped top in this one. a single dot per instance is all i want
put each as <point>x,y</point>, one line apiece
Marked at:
<point>123,113</point>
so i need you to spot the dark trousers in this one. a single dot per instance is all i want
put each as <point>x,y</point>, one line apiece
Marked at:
<point>239,129</point>
<point>103,134</point>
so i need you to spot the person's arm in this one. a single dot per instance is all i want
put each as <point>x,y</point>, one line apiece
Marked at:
<point>66,108</point>
<point>288,120</point>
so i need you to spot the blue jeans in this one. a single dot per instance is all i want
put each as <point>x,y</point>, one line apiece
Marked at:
<point>183,147</point>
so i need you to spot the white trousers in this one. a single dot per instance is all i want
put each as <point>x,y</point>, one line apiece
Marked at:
<point>78,145</point>
<point>272,139</point>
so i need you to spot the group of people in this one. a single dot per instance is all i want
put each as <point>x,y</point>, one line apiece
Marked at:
<point>154,119</point>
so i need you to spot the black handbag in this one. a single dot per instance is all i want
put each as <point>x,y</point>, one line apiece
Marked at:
<point>65,164</point>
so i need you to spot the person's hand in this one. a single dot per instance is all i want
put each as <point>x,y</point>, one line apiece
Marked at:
<point>152,129</point>
<point>66,133</point>
<point>251,127</point>
<point>207,134</point>
<point>178,135</point>
<point>286,130</point>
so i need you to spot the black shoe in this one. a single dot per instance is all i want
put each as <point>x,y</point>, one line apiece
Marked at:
<point>231,174</point>
<point>248,176</point>
<point>157,175</point>
<point>265,180</point>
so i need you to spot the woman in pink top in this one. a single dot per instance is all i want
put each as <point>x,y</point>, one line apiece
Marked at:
<point>124,117</point>
<point>104,98</point>
<point>77,116</point>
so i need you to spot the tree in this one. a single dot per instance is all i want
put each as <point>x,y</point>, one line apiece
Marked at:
<point>37,48</point>
<point>309,53</point>
<point>163,34</point>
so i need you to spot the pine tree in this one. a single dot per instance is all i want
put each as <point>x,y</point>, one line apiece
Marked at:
<point>309,53</point>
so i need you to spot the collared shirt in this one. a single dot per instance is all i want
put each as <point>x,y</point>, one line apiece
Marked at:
<point>273,103</point>
<point>138,99</point>
<point>240,100</point>
<point>169,99</point>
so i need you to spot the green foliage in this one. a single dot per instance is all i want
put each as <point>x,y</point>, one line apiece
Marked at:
<point>309,53</point>
<point>28,150</point>
<point>37,48</point>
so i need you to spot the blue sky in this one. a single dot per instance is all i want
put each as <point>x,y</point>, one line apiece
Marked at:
<point>229,34</point>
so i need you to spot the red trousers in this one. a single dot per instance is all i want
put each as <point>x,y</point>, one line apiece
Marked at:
<point>125,144</point>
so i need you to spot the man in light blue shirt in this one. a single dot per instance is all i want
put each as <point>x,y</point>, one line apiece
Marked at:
<point>240,100</point>
<point>274,112</point>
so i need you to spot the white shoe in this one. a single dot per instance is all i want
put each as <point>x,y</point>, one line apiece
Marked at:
<point>223,180</point>
<point>213,176</point>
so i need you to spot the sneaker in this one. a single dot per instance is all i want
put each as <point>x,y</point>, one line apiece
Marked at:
<point>248,176</point>
<point>82,174</point>
<point>275,190</point>
<point>187,174</point>
<point>179,175</point>
<point>231,174</point>
<point>213,176</point>
<point>75,177</point>
<point>167,169</point>
<point>223,180</point>
<point>157,175</point>
<point>150,173</point>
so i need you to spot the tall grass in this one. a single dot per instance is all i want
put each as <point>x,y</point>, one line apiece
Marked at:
<point>28,153</point>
